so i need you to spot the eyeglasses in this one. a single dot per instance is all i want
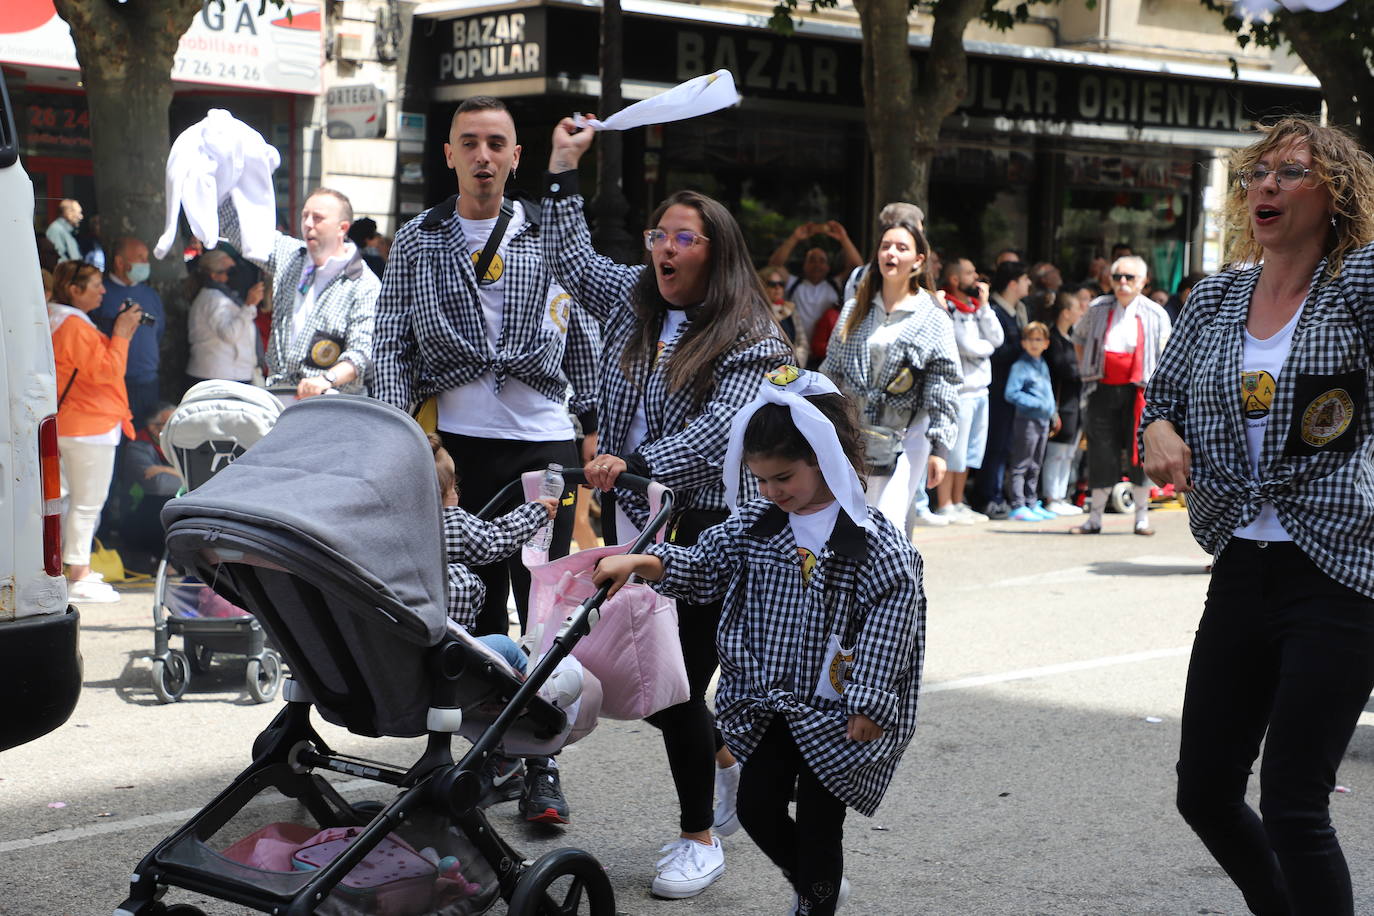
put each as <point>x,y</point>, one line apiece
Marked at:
<point>683,239</point>
<point>1129,278</point>
<point>1288,177</point>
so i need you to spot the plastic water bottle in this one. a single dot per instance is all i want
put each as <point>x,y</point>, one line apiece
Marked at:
<point>551,486</point>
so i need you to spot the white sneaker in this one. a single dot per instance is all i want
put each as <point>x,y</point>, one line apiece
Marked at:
<point>727,788</point>
<point>1060,507</point>
<point>88,591</point>
<point>840,899</point>
<point>925,517</point>
<point>564,686</point>
<point>952,514</point>
<point>970,513</point>
<point>688,868</point>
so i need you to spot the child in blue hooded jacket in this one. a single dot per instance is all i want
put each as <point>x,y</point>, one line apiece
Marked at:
<point>1031,393</point>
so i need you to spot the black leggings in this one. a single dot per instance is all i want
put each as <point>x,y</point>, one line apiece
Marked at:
<point>809,850</point>
<point>1283,647</point>
<point>484,467</point>
<point>690,736</point>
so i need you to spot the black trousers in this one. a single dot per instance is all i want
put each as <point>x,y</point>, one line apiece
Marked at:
<point>690,736</point>
<point>990,482</point>
<point>1109,423</point>
<point>1286,654</point>
<point>809,850</point>
<point>484,467</point>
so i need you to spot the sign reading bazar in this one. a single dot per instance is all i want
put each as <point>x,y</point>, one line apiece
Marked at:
<point>494,46</point>
<point>511,45</point>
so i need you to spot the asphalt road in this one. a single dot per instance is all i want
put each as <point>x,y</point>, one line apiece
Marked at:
<point>1040,780</point>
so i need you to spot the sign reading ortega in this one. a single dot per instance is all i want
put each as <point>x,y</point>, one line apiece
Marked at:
<point>490,47</point>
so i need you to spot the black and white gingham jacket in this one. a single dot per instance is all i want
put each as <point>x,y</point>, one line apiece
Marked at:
<point>866,588</point>
<point>925,349</point>
<point>343,309</point>
<point>1323,492</point>
<point>685,446</point>
<point>431,334</point>
<point>472,541</point>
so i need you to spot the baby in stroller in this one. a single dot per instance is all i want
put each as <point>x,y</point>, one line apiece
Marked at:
<point>469,540</point>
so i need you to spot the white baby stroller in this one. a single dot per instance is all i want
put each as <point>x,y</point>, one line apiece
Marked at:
<point>214,424</point>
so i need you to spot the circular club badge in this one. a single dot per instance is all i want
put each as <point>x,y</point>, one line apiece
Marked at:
<point>325,353</point>
<point>1327,417</point>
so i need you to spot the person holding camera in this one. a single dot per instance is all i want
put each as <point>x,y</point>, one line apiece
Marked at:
<point>125,281</point>
<point>92,413</point>
<point>221,331</point>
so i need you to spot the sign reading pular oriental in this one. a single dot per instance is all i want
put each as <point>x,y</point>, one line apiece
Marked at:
<point>234,46</point>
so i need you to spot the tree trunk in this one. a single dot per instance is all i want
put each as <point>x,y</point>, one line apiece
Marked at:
<point>889,112</point>
<point>940,90</point>
<point>126,52</point>
<point>610,206</point>
<point>1339,63</point>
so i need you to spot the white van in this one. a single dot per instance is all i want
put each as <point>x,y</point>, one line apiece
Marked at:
<point>40,659</point>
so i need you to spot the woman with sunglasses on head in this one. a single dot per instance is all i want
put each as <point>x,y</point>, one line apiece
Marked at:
<point>1119,343</point>
<point>687,337</point>
<point>1261,412</point>
<point>894,353</point>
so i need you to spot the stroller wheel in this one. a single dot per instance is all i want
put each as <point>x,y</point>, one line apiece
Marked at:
<point>201,657</point>
<point>566,882</point>
<point>264,676</point>
<point>171,676</point>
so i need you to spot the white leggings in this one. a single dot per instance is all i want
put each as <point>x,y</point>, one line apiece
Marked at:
<point>86,473</point>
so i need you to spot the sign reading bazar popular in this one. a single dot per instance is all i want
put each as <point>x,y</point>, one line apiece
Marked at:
<point>492,47</point>
<point>513,45</point>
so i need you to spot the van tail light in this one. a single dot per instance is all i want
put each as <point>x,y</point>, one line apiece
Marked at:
<point>50,471</point>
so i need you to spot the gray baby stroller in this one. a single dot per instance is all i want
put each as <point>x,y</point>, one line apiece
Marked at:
<point>215,423</point>
<point>339,553</point>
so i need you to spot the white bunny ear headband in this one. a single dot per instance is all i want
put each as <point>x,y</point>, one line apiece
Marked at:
<point>790,386</point>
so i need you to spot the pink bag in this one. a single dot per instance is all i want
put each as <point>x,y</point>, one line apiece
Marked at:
<point>634,650</point>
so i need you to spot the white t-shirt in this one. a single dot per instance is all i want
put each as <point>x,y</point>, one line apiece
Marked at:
<point>319,278</point>
<point>639,424</point>
<point>1262,361</point>
<point>812,300</point>
<point>1122,333</point>
<point>811,532</point>
<point>517,411</point>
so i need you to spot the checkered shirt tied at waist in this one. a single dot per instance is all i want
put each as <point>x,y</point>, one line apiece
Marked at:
<point>921,370</point>
<point>685,447</point>
<point>431,330</point>
<point>776,624</point>
<point>344,309</point>
<point>1316,464</point>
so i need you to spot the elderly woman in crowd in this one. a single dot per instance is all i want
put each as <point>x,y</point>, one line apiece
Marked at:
<point>1261,409</point>
<point>221,329</point>
<point>92,413</point>
<point>893,353</point>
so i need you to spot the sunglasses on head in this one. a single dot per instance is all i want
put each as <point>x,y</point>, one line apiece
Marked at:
<point>1130,278</point>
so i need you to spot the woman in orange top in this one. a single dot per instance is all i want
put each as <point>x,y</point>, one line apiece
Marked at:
<point>92,413</point>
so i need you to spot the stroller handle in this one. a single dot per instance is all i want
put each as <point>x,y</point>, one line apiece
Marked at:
<point>512,494</point>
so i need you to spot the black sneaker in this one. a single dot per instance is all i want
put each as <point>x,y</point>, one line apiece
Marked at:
<point>500,782</point>
<point>997,511</point>
<point>542,802</point>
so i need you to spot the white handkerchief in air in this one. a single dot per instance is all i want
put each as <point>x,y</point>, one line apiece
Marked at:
<point>698,96</point>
